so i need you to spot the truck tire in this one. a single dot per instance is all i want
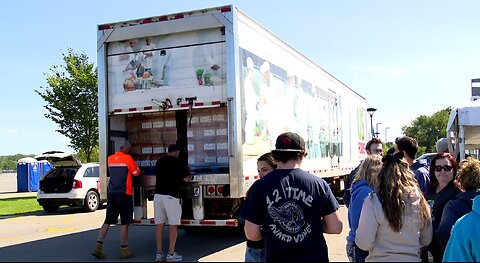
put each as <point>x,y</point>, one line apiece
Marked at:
<point>50,208</point>
<point>92,201</point>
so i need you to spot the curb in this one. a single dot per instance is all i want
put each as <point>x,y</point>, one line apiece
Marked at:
<point>17,195</point>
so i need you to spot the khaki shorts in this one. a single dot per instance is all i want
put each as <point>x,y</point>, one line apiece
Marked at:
<point>168,209</point>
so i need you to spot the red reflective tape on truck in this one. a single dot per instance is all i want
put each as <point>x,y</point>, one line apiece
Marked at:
<point>191,222</point>
<point>225,9</point>
<point>201,222</point>
<point>169,106</point>
<point>104,27</point>
<point>165,18</point>
<point>143,222</point>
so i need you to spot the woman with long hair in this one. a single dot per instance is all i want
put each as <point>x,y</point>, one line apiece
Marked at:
<point>364,183</point>
<point>395,222</point>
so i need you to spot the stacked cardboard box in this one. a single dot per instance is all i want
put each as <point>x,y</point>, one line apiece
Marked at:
<point>207,137</point>
<point>150,134</point>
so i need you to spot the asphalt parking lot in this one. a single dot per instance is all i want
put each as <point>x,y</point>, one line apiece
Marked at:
<point>68,235</point>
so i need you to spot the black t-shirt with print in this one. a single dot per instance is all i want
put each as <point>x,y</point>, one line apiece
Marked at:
<point>289,205</point>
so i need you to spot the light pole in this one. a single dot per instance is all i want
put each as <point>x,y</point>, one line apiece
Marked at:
<point>378,131</point>
<point>371,111</point>
<point>386,128</point>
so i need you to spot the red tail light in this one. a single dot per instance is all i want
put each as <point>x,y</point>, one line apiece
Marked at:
<point>77,184</point>
<point>211,190</point>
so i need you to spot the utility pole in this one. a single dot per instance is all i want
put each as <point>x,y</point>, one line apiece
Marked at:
<point>371,111</point>
<point>386,140</point>
<point>378,131</point>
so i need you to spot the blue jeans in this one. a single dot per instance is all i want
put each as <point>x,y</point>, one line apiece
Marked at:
<point>354,253</point>
<point>255,254</point>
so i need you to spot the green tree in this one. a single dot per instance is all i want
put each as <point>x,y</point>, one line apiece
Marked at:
<point>428,129</point>
<point>9,162</point>
<point>94,155</point>
<point>72,101</point>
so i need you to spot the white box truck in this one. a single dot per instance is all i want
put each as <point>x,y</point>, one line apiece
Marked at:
<point>222,87</point>
<point>463,130</point>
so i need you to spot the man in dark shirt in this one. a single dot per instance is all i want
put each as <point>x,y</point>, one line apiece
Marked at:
<point>290,208</point>
<point>170,174</point>
<point>420,168</point>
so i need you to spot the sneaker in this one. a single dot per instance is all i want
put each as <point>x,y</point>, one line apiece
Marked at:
<point>174,258</point>
<point>159,257</point>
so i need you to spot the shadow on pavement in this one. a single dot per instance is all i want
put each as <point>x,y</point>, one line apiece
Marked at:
<point>61,211</point>
<point>78,246</point>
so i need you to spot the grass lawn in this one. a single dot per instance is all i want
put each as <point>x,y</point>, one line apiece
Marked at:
<point>22,205</point>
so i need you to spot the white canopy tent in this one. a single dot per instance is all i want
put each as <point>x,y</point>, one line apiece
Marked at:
<point>463,129</point>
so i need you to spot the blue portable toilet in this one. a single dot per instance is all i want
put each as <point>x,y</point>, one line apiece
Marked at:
<point>28,175</point>
<point>45,166</point>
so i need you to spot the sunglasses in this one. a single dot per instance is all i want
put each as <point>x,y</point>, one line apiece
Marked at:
<point>446,168</point>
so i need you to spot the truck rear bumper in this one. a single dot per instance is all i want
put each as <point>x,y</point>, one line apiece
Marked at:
<point>193,222</point>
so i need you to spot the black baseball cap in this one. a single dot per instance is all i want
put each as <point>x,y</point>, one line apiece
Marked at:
<point>289,142</point>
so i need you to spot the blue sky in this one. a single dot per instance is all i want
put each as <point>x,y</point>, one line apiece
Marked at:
<point>407,58</point>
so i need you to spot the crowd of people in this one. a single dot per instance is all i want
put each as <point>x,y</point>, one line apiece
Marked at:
<point>399,208</point>
<point>412,211</point>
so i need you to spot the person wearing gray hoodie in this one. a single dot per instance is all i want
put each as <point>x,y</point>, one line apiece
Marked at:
<point>395,222</point>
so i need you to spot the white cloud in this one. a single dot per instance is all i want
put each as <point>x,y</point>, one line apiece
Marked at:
<point>379,69</point>
<point>12,131</point>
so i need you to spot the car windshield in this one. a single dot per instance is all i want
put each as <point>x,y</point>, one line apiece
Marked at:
<point>427,157</point>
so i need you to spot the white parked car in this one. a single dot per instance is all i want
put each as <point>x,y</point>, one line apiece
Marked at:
<point>427,157</point>
<point>69,183</point>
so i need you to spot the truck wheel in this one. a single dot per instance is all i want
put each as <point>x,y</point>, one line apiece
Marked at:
<point>50,208</point>
<point>92,202</point>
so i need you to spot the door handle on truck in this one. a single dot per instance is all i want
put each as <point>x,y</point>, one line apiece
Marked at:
<point>230,115</point>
